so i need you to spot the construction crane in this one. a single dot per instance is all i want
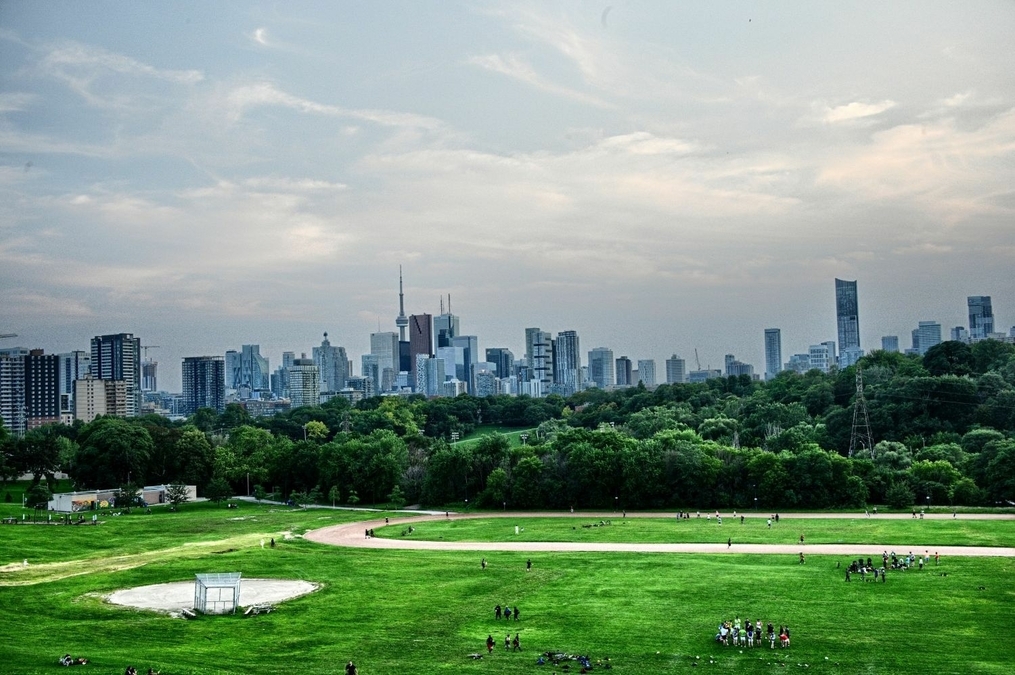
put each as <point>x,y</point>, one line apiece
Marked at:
<point>696,359</point>
<point>145,349</point>
<point>7,335</point>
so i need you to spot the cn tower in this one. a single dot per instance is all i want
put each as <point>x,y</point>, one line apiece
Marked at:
<point>401,321</point>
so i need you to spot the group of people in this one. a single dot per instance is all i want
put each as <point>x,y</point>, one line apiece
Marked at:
<point>561,659</point>
<point>68,660</point>
<point>510,644</point>
<point>506,611</point>
<point>131,670</point>
<point>750,634</point>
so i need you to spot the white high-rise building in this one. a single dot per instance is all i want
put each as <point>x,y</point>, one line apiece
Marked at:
<point>820,357</point>
<point>385,347</point>
<point>676,370</point>
<point>647,372</point>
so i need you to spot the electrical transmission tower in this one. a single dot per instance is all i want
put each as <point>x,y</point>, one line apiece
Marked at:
<point>861,437</point>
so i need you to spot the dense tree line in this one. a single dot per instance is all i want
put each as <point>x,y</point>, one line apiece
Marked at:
<point>944,427</point>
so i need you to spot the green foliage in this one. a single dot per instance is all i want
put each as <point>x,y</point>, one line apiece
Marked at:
<point>176,493</point>
<point>900,496</point>
<point>37,496</point>
<point>218,490</point>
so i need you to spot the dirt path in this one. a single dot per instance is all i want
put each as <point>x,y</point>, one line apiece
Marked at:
<point>352,535</point>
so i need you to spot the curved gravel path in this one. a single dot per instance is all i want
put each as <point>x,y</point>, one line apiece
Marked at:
<point>351,535</point>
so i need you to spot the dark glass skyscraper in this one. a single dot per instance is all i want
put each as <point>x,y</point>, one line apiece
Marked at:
<point>204,383</point>
<point>981,316</point>
<point>848,319</point>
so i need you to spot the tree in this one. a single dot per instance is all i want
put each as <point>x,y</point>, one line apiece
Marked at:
<point>316,431</point>
<point>949,358</point>
<point>353,498</point>
<point>334,495</point>
<point>397,497</point>
<point>176,493</point>
<point>38,494</point>
<point>899,496</point>
<point>112,450</point>
<point>218,490</point>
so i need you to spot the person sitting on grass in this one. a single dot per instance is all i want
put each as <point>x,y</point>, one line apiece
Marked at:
<point>783,636</point>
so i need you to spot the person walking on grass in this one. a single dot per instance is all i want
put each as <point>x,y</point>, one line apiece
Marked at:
<point>516,612</point>
<point>489,644</point>
<point>516,643</point>
<point>729,543</point>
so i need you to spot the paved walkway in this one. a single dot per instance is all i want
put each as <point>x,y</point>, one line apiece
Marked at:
<point>352,535</point>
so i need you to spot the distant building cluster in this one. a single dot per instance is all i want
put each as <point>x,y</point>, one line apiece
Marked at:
<point>426,355</point>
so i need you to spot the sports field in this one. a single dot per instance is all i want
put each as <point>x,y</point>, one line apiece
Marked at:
<point>412,611</point>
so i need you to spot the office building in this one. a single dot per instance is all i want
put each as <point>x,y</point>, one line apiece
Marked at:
<point>773,352</point>
<point>647,372</point>
<point>445,326</point>
<point>385,347</point>
<point>799,363</point>
<point>959,334</point>
<point>204,384</point>
<point>700,376</point>
<point>420,339</point>
<point>247,371</point>
<point>332,365</point>
<point>848,320</point>
<point>502,360</point>
<point>567,363</point>
<point>539,356</point>
<point>676,370</point>
<point>304,383</point>
<point>74,365</point>
<point>601,366</point>
<point>925,335</point>
<point>623,370</point>
<point>467,359</point>
<point>981,316</point>
<point>735,368</point>
<point>890,343</point>
<point>118,357</point>
<point>821,357</point>
<point>833,358</point>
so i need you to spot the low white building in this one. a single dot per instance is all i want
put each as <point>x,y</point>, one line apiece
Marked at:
<point>90,500</point>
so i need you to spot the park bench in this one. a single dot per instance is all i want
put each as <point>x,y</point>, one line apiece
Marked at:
<point>259,609</point>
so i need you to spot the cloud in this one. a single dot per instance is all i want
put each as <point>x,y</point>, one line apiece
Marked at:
<point>514,67</point>
<point>855,111</point>
<point>261,94</point>
<point>260,36</point>
<point>85,57</point>
<point>15,101</point>
<point>924,249</point>
<point>32,303</point>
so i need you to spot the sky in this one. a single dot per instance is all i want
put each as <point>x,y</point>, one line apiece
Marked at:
<point>659,176</point>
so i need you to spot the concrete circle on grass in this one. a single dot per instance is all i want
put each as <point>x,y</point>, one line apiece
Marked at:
<point>179,595</point>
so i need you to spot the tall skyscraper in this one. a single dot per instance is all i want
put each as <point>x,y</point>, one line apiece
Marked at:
<point>445,326</point>
<point>647,372</point>
<point>204,383</point>
<point>890,343</point>
<point>42,389</point>
<point>332,365</point>
<point>926,335</point>
<point>469,346</point>
<point>981,316</point>
<point>385,347</point>
<point>420,339</point>
<point>74,365</point>
<point>304,383</point>
<point>118,357</point>
<point>502,359</point>
<point>601,367</point>
<point>848,319</point>
<point>149,376</point>
<point>567,363</point>
<point>676,370</point>
<point>773,352</point>
<point>539,356</point>
<point>623,366</point>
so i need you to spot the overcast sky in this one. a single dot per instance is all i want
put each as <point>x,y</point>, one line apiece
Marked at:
<point>658,176</point>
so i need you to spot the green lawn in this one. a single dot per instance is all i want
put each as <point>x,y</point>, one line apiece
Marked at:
<point>753,531</point>
<point>415,612</point>
<point>513,434</point>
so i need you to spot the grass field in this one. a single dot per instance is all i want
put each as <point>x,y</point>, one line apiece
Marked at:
<point>415,612</point>
<point>753,531</point>
<point>512,434</point>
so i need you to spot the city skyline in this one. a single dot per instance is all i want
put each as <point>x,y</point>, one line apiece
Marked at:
<point>657,178</point>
